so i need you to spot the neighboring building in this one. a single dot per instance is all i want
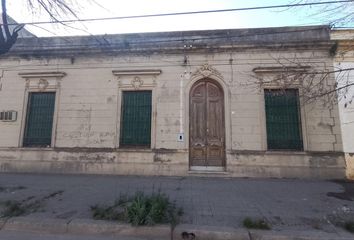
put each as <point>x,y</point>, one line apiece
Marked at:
<point>344,67</point>
<point>173,103</point>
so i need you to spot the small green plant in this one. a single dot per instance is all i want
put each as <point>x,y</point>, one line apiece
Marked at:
<point>140,209</point>
<point>256,224</point>
<point>148,210</point>
<point>349,226</point>
<point>12,209</point>
<point>113,212</point>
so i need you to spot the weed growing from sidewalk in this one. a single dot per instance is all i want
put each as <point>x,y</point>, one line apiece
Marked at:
<point>349,226</point>
<point>13,208</point>
<point>113,212</point>
<point>343,220</point>
<point>140,209</point>
<point>256,224</point>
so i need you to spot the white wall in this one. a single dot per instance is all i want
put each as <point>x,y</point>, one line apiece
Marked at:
<point>346,109</point>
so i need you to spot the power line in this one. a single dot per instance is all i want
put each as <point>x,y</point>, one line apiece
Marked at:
<point>184,13</point>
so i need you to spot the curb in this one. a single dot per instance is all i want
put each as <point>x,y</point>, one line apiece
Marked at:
<point>85,227</point>
<point>48,225</point>
<point>229,233</point>
<point>298,235</point>
<point>2,222</point>
<point>210,233</point>
<point>90,226</point>
<point>181,232</point>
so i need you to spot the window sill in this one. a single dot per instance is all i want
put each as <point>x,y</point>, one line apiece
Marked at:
<point>28,148</point>
<point>286,152</point>
<point>132,149</point>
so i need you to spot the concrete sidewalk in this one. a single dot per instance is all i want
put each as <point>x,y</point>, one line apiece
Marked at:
<point>301,206</point>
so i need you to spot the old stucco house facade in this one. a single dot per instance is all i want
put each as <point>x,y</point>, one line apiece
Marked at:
<point>174,103</point>
<point>344,71</point>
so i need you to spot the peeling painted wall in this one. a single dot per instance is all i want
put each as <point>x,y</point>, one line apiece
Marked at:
<point>88,115</point>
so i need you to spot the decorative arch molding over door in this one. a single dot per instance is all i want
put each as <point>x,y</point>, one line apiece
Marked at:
<point>206,125</point>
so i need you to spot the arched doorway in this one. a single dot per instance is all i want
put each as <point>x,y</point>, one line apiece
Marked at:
<point>206,126</point>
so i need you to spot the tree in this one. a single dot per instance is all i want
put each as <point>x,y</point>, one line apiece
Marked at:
<point>318,83</point>
<point>338,14</point>
<point>54,8</point>
<point>312,77</point>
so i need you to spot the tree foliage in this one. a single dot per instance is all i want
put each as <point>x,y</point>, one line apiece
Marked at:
<point>56,9</point>
<point>339,14</point>
<point>317,81</point>
<point>7,37</point>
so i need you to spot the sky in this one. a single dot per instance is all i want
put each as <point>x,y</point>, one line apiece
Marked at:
<point>111,8</point>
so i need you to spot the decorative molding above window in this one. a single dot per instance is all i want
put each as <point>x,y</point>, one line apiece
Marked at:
<point>42,81</point>
<point>42,74</point>
<point>280,76</point>
<point>154,72</point>
<point>281,69</point>
<point>136,79</point>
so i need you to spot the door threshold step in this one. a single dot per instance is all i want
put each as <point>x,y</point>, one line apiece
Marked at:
<point>207,169</point>
<point>199,172</point>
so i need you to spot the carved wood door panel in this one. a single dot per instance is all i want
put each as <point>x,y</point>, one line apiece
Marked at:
<point>207,131</point>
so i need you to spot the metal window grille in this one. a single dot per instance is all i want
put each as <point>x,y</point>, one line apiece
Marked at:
<point>136,119</point>
<point>39,121</point>
<point>283,119</point>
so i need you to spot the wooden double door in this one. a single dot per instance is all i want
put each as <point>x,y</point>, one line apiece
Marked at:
<point>206,125</point>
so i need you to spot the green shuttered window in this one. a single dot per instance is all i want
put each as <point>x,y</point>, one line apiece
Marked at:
<point>136,119</point>
<point>39,121</point>
<point>283,119</point>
